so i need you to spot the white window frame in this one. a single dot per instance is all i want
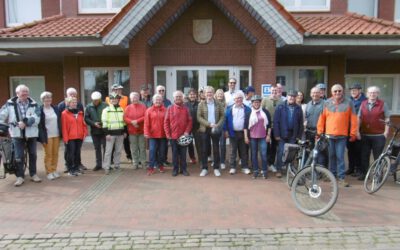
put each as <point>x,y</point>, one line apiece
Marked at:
<point>9,24</point>
<point>298,7</point>
<point>110,78</point>
<point>375,8</point>
<point>12,89</point>
<point>396,83</point>
<point>108,9</point>
<point>298,68</point>
<point>397,14</point>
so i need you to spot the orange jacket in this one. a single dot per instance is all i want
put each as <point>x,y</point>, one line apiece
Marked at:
<point>338,119</point>
<point>135,112</point>
<point>73,128</point>
<point>123,102</point>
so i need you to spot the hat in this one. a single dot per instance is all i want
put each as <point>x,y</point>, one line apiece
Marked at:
<point>114,96</point>
<point>96,95</point>
<point>116,86</point>
<point>249,89</point>
<point>145,87</point>
<point>256,98</point>
<point>321,86</point>
<point>291,92</point>
<point>355,86</point>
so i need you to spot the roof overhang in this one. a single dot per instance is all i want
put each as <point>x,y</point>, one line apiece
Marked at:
<point>352,41</point>
<point>262,11</point>
<point>49,43</point>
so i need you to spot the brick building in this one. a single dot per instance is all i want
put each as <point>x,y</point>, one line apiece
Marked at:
<point>191,43</point>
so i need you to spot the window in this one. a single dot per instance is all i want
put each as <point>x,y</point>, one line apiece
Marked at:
<point>101,79</point>
<point>36,85</point>
<point>101,6</point>
<point>306,5</point>
<point>365,7</point>
<point>387,83</point>
<point>22,11</point>
<point>397,11</point>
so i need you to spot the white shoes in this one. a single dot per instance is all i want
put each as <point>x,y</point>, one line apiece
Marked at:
<point>203,172</point>
<point>223,166</point>
<point>209,159</point>
<point>36,178</point>
<point>246,171</point>
<point>272,168</point>
<point>217,172</point>
<point>56,175</point>
<point>19,181</point>
<point>50,176</point>
<point>232,171</point>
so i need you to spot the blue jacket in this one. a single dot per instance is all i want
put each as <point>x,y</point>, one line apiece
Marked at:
<point>281,121</point>
<point>357,103</point>
<point>228,124</point>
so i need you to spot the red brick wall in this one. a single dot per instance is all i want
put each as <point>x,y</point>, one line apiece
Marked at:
<point>373,67</point>
<point>386,9</point>
<point>51,71</point>
<point>338,6</point>
<point>69,7</point>
<point>50,8</point>
<point>2,14</point>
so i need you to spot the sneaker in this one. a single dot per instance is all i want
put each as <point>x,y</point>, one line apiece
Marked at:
<point>78,172</point>
<point>175,172</point>
<point>255,175</point>
<point>97,168</point>
<point>117,167</point>
<point>71,173</point>
<point>82,167</point>
<point>167,163</point>
<point>272,168</point>
<point>223,166</point>
<point>19,181</point>
<point>185,173</point>
<point>264,175</point>
<point>56,175</point>
<point>343,183</point>
<point>2,172</point>
<point>350,171</point>
<point>278,175</point>
<point>192,161</point>
<point>36,178</point>
<point>161,169</point>
<point>217,172</point>
<point>50,176</point>
<point>135,166</point>
<point>246,171</point>
<point>232,171</point>
<point>209,159</point>
<point>203,172</point>
<point>150,171</point>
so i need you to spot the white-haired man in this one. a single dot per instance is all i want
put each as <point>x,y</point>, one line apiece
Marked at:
<point>22,114</point>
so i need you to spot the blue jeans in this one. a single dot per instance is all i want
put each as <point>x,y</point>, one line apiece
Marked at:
<point>178,156</point>
<point>222,148</point>
<point>19,148</point>
<point>336,156</point>
<point>259,145</point>
<point>281,144</point>
<point>73,149</point>
<point>157,147</point>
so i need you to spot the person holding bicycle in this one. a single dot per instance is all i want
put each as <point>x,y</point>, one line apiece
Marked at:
<point>22,113</point>
<point>373,131</point>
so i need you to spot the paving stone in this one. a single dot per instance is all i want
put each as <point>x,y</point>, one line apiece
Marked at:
<point>11,237</point>
<point>179,232</point>
<point>87,247</point>
<point>136,233</point>
<point>237,231</point>
<point>208,231</point>
<point>190,244</point>
<point>222,231</point>
<point>123,247</point>
<point>253,231</point>
<point>62,235</point>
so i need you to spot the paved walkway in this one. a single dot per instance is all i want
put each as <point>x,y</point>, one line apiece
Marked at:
<point>130,209</point>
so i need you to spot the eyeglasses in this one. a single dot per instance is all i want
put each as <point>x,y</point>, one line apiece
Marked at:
<point>161,90</point>
<point>232,82</point>
<point>337,91</point>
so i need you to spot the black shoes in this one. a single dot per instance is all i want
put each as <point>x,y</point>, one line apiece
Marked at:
<point>97,168</point>
<point>174,172</point>
<point>185,173</point>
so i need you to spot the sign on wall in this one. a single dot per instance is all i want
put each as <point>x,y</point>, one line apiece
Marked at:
<point>265,90</point>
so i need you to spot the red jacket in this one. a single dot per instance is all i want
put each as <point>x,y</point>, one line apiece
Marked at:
<point>73,128</point>
<point>177,121</point>
<point>154,122</point>
<point>135,111</point>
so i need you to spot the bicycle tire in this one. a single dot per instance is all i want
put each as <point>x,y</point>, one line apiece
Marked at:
<point>26,160</point>
<point>377,174</point>
<point>326,191</point>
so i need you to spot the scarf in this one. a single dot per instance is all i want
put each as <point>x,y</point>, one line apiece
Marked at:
<point>253,117</point>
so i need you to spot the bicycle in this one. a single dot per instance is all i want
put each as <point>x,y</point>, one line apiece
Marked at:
<point>7,153</point>
<point>378,171</point>
<point>314,188</point>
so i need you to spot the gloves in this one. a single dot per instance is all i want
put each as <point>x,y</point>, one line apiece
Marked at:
<point>353,138</point>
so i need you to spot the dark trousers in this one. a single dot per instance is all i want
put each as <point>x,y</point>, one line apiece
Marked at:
<point>195,143</point>
<point>206,139</point>
<point>178,156</point>
<point>281,145</point>
<point>238,144</point>
<point>375,144</point>
<point>127,148</point>
<point>99,142</point>
<point>19,154</point>
<point>271,148</point>
<point>354,155</point>
<point>73,154</point>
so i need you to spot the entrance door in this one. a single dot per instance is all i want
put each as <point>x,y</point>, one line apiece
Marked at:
<point>187,77</point>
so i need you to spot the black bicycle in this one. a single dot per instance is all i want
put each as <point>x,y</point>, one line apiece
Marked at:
<point>314,188</point>
<point>7,152</point>
<point>378,171</point>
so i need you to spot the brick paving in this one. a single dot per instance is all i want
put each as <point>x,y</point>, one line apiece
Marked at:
<point>128,209</point>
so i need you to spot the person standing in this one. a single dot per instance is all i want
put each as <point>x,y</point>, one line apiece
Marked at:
<point>288,126</point>
<point>134,118</point>
<point>220,96</point>
<point>192,105</point>
<point>166,102</point>
<point>93,114</point>
<point>236,128</point>
<point>178,122</point>
<point>231,91</point>
<point>154,131</point>
<point>354,148</point>
<point>338,121</point>
<point>49,134</point>
<point>74,130</point>
<point>373,131</point>
<point>113,124</point>
<point>210,115</point>
<point>145,96</point>
<point>260,135</point>
<point>249,93</point>
<point>23,115</point>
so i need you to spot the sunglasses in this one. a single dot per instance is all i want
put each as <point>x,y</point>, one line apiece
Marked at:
<point>232,82</point>
<point>161,90</point>
<point>337,91</point>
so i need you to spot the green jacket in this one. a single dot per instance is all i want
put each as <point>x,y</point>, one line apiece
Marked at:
<point>93,115</point>
<point>202,115</point>
<point>113,120</point>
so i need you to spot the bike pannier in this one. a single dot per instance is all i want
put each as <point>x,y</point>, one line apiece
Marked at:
<point>289,152</point>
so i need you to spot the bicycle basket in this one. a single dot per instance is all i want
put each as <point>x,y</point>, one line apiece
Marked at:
<point>8,155</point>
<point>289,152</point>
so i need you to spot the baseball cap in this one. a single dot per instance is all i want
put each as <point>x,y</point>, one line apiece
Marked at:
<point>355,86</point>
<point>249,89</point>
<point>256,98</point>
<point>292,92</point>
<point>321,85</point>
<point>116,86</point>
<point>96,95</point>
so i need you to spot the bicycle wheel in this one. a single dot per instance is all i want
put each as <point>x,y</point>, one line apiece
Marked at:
<point>377,174</point>
<point>315,193</point>
<point>26,159</point>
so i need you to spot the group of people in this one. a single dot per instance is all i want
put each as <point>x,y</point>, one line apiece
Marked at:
<point>257,128</point>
